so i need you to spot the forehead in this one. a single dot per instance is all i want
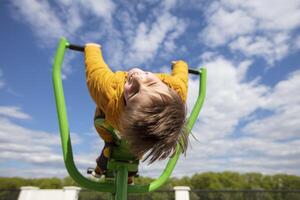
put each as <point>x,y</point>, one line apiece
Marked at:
<point>145,98</point>
<point>151,97</point>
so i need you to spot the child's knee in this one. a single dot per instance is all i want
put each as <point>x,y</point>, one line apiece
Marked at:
<point>105,135</point>
<point>106,152</point>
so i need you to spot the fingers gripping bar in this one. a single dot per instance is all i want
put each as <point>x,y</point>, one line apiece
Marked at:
<point>75,47</point>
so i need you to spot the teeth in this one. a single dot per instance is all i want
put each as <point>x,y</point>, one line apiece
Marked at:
<point>132,75</point>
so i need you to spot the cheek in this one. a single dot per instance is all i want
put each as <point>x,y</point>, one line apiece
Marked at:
<point>126,89</point>
<point>154,77</point>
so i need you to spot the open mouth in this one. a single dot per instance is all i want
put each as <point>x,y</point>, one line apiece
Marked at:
<point>131,76</point>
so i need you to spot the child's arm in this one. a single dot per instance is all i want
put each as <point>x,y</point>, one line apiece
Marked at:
<point>99,77</point>
<point>181,71</point>
<point>178,80</point>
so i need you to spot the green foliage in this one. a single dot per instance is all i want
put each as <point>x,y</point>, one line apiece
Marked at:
<point>68,181</point>
<point>142,180</point>
<point>9,194</point>
<point>208,180</point>
<point>43,183</point>
<point>198,183</point>
<point>93,195</point>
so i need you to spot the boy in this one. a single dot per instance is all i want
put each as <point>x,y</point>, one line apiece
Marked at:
<point>147,109</point>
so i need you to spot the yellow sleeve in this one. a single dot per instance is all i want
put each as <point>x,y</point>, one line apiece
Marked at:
<point>99,77</point>
<point>180,70</point>
<point>178,80</point>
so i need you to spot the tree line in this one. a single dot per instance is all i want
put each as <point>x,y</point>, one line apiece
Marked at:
<point>208,180</point>
<point>204,186</point>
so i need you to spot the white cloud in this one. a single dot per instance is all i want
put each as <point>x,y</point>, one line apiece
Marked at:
<point>42,18</point>
<point>136,42</point>
<point>169,4</point>
<point>50,22</point>
<point>230,100</point>
<point>65,19</point>
<point>103,9</point>
<point>37,172</point>
<point>224,25</point>
<point>34,148</point>
<point>149,38</point>
<point>228,97</point>
<point>252,27</point>
<point>283,16</point>
<point>297,43</point>
<point>169,43</point>
<point>67,65</point>
<point>238,154</point>
<point>127,40</point>
<point>2,83</point>
<point>271,49</point>
<point>284,124</point>
<point>14,112</point>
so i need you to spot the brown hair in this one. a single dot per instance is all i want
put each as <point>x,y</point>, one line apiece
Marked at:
<point>156,128</point>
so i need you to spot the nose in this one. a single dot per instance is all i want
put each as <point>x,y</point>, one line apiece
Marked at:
<point>139,77</point>
<point>135,70</point>
<point>135,85</point>
<point>137,80</point>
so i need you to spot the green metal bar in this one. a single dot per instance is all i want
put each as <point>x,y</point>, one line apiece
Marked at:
<point>172,162</point>
<point>64,126</point>
<point>191,121</point>
<point>66,141</point>
<point>112,196</point>
<point>200,100</point>
<point>121,183</point>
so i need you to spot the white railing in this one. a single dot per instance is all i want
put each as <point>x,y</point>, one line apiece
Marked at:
<point>34,193</point>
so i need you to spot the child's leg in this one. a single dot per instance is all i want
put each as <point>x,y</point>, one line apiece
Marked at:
<point>131,175</point>
<point>103,158</point>
<point>108,142</point>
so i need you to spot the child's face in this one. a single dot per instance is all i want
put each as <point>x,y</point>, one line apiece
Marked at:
<point>139,83</point>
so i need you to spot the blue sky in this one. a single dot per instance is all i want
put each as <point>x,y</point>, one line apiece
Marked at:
<point>249,121</point>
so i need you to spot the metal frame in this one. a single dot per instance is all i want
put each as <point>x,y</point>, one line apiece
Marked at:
<point>119,189</point>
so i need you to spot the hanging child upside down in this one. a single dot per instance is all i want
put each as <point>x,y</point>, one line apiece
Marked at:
<point>148,110</point>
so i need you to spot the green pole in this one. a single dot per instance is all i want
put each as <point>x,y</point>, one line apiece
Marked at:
<point>200,100</point>
<point>64,126</point>
<point>121,183</point>
<point>190,123</point>
<point>66,140</point>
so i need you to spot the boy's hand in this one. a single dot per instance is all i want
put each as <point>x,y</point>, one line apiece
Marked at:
<point>176,61</point>
<point>92,44</point>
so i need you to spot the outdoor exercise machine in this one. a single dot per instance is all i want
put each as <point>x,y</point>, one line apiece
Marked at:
<point>121,160</point>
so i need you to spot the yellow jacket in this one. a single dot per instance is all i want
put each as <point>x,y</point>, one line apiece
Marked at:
<point>107,87</point>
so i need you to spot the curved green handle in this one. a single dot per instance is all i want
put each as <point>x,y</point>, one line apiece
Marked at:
<point>64,126</point>
<point>66,140</point>
<point>190,123</point>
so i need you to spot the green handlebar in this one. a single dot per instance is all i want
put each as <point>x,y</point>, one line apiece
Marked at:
<point>64,126</point>
<point>66,140</point>
<point>190,123</point>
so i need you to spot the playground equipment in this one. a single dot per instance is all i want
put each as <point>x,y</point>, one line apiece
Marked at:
<point>121,161</point>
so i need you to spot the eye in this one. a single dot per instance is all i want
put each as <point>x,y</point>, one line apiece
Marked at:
<point>133,95</point>
<point>152,84</point>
